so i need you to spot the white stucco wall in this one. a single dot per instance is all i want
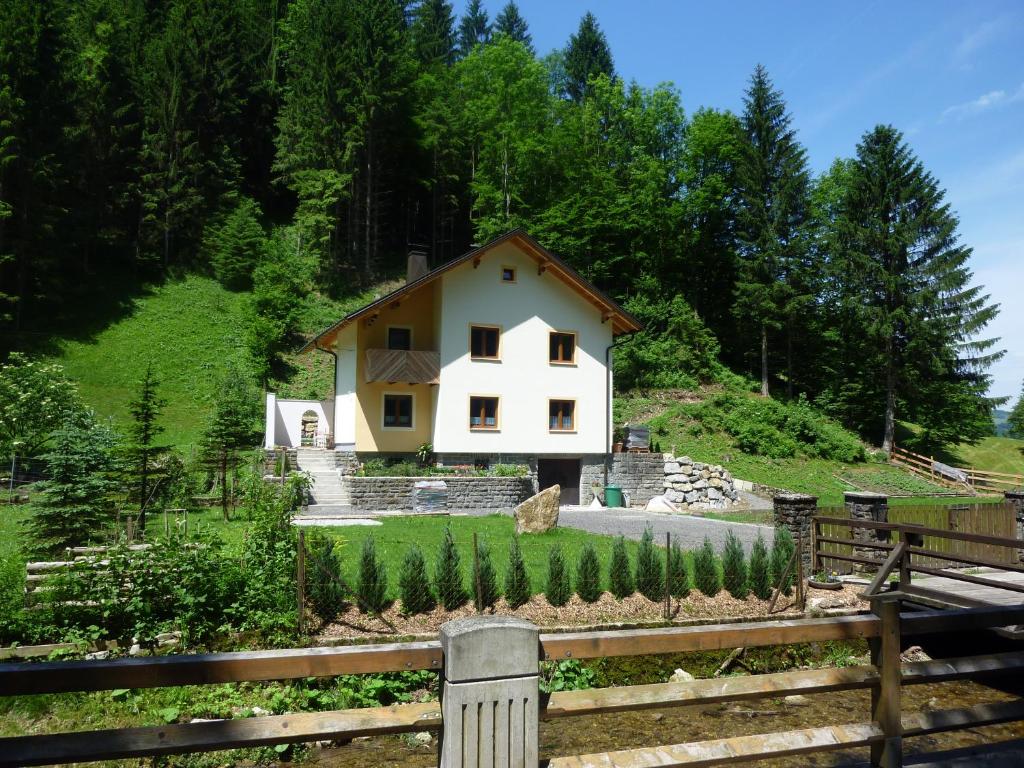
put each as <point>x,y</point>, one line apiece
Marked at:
<point>524,380</point>
<point>287,430</point>
<point>345,403</point>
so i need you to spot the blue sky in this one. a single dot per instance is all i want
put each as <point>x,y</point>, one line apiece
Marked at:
<point>950,75</point>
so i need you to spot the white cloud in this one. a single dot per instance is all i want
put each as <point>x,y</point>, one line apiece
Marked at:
<point>983,103</point>
<point>976,39</point>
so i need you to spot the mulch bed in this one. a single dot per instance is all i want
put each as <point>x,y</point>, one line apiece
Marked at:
<point>607,610</point>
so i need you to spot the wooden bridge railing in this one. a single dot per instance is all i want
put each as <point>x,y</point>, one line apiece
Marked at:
<point>882,731</point>
<point>975,479</point>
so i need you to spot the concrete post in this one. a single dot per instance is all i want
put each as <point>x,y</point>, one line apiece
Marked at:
<point>1016,500</point>
<point>794,511</point>
<point>871,507</point>
<point>489,693</point>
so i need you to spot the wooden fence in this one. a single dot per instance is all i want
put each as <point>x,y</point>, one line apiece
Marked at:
<point>974,480</point>
<point>882,729</point>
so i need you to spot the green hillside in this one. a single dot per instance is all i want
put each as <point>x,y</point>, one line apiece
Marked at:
<point>993,454</point>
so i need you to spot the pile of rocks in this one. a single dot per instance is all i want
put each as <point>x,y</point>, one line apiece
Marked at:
<point>692,485</point>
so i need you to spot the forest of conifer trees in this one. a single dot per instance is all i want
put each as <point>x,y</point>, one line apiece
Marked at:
<point>310,142</point>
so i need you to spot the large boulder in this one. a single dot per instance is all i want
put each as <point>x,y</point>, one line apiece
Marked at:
<point>661,504</point>
<point>538,513</point>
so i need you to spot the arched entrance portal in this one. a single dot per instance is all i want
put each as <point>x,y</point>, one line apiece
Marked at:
<point>310,423</point>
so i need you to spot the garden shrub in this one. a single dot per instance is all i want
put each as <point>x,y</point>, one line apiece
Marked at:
<point>650,574</point>
<point>557,590</point>
<point>448,582</point>
<point>414,584</point>
<point>705,570</point>
<point>678,576</point>
<point>372,585</point>
<point>488,594</point>
<point>517,580</point>
<point>734,567</point>
<point>760,570</point>
<point>588,575</point>
<point>782,551</point>
<point>620,577</point>
<point>325,585</point>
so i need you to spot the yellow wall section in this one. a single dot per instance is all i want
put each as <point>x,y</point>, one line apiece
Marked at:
<point>416,311</point>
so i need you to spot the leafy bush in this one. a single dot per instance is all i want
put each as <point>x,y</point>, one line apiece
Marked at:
<point>588,575</point>
<point>517,580</point>
<point>782,551</point>
<point>565,675</point>
<point>414,584</point>
<point>705,570</point>
<point>678,576</point>
<point>620,576</point>
<point>448,582</point>
<point>372,584</point>
<point>734,567</point>
<point>650,576</point>
<point>557,590</point>
<point>488,594</point>
<point>325,585</point>
<point>760,570</point>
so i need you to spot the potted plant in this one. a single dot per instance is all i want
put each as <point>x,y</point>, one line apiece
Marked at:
<point>825,580</point>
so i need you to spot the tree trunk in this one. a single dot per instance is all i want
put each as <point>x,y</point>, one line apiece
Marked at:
<point>143,490</point>
<point>368,234</point>
<point>224,485</point>
<point>764,360</point>
<point>889,439</point>
<point>789,357</point>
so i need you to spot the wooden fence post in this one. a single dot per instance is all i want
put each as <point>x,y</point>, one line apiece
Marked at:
<point>885,698</point>
<point>489,692</point>
<point>668,590</point>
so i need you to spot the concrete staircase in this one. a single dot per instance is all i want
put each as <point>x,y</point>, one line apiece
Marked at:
<point>328,492</point>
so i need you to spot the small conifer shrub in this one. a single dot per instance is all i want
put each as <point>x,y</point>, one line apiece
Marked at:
<point>760,570</point>
<point>588,575</point>
<point>325,586</point>
<point>448,583</point>
<point>557,590</point>
<point>620,577</point>
<point>650,573</point>
<point>734,567</point>
<point>372,586</point>
<point>488,581</point>
<point>517,580</point>
<point>705,570</point>
<point>782,551</point>
<point>678,576</point>
<point>414,584</point>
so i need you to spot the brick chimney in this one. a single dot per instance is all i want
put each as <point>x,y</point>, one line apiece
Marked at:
<point>417,265</point>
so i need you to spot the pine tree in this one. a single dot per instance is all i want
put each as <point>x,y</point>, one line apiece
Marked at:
<point>488,594</point>
<point>760,570</point>
<point>782,552</point>
<point>586,57</point>
<point>448,579</point>
<point>588,575</point>
<point>650,574</point>
<point>372,584</point>
<point>734,567</point>
<point>236,244</point>
<point>705,570</point>
<point>143,449</point>
<point>234,426</point>
<point>678,575</point>
<point>557,590</point>
<point>919,314</point>
<point>620,575</point>
<point>773,186</point>
<point>517,581</point>
<point>433,32</point>
<point>474,28</point>
<point>1015,421</point>
<point>414,584</point>
<point>75,503</point>
<point>512,24</point>
<point>325,585</point>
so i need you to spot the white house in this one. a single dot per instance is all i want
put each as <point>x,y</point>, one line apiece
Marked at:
<point>501,355</point>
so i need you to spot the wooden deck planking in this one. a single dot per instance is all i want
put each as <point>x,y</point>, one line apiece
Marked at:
<point>976,593</point>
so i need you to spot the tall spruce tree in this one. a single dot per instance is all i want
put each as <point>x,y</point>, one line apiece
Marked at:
<point>1016,417</point>
<point>586,56</point>
<point>233,427</point>
<point>919,314</point>
<point>512,24</point>
<point>143,450</point>
<point>773,188</point>
<point>474,28</point>
<point>433,32</point>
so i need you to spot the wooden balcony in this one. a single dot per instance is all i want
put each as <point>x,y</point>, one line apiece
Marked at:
<point>399,365</point>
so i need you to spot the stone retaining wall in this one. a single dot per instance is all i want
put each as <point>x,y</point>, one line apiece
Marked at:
<point>794,511</point>
<point>639,475</point>
<point>381,494</point>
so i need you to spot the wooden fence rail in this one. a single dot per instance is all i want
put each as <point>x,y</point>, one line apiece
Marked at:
<point>884,677</point>
<point>975,479</point>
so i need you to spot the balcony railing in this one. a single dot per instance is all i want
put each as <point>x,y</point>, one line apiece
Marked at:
<point>400,365</point>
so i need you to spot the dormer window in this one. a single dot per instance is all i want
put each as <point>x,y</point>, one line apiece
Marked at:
<point>508,274</point>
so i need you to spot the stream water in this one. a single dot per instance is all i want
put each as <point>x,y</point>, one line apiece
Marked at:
<point>624,730</point>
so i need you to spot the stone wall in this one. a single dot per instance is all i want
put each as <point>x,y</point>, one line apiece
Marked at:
<point>694,485</point>
<point>271,455</point>
<point>794,511</point>
<point>869,507</point>
<point>639,475</point>
<point>381,494</point>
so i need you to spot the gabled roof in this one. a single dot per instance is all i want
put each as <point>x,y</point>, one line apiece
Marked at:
<point>621,320</point>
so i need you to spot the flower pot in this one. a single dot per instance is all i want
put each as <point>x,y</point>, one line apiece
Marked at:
<point>814,584</point>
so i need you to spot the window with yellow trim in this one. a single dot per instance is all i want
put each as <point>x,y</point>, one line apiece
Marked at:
<point>483,413</point>
<point>562,415</point>
<point>562,348</point>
